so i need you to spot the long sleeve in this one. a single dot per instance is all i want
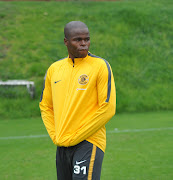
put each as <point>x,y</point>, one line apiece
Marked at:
<point>106,106</point>
<point>46,107</point>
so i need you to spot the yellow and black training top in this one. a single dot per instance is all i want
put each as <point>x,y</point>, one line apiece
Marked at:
<point>77,101</point>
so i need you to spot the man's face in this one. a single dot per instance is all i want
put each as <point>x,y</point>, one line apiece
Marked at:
<point>78,43</point>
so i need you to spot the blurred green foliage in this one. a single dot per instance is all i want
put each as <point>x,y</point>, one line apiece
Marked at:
<point>134,36</point>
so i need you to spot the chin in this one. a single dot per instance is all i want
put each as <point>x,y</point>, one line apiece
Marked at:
<point>82,55</point>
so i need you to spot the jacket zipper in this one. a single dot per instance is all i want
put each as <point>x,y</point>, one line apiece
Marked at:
<point>73,62</point>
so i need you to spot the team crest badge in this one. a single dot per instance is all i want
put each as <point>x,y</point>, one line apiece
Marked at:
<point>83,79</point>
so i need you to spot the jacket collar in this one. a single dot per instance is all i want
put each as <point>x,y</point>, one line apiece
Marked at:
<point>76,60</point>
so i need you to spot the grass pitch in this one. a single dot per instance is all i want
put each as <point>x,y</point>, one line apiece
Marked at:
<point>139,147</point>
<point>134,36</point>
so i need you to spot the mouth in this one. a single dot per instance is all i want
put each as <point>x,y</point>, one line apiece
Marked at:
<point>83,49</point>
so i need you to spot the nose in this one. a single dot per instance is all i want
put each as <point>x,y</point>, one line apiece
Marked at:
<point>83,43</point>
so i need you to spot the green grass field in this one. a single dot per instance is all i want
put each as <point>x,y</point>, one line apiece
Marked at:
<point>142,152</point>
<point>135,36</point>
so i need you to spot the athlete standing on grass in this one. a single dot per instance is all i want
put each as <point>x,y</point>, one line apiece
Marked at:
<point>77,101</point>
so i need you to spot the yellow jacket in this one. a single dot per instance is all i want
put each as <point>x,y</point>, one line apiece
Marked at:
<point>78,99</point>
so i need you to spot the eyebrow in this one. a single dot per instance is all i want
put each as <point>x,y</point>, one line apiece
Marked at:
<point>78,37</point>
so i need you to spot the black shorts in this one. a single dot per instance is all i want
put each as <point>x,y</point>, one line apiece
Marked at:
<point>83,161</point>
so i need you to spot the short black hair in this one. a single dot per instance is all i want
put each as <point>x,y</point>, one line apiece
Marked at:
<point>73,25</point>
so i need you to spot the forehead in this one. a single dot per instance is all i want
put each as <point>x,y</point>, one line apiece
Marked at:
<point>79,32</point>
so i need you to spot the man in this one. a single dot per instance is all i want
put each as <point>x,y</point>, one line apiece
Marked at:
<point>77,101</point>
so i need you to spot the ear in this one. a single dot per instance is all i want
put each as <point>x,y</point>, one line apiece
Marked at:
<point>65,41</point>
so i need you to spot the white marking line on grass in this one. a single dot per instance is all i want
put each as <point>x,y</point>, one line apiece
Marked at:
<point>114,131</point>
<point>139,130</point>
<point>24,137</point>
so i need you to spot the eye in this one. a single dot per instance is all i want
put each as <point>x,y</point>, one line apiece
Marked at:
<point>78,39</point>
<point>87,39</point>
